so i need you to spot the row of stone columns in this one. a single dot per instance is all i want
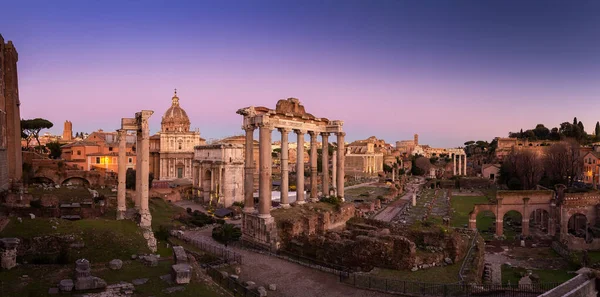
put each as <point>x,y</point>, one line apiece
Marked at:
<point>265,167</point>
<point>142,168</point>
<point>462,167</point>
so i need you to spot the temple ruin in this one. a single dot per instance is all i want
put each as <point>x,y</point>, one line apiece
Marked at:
<point>289,115</point>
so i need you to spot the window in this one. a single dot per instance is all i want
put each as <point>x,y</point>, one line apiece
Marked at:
<point>110,149</point>
<point>130,160</point>
<point>180,146</point>
<point>79,153</point>
<point>97,160</point>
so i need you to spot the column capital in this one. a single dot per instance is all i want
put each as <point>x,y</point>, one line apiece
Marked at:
<point>269,126</point>
<point>299,131</point>
<point>313,133</point>
<point>340,133</point>
<point>248,128</point>
<point>325,134</point>
<point>284,130</point>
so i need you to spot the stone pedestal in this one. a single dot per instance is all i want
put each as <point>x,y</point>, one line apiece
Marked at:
<point>179,255</point>
<point>181,273</point>
<point>150,239</point>
<point>261,232</point>
<point>83,278</point>
<point>8,252</point>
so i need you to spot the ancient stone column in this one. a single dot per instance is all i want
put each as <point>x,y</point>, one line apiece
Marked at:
<point>340,164</point>
<point>146,218</point>
<point>465,166</point>
<point>249,170</point>
<point>454,160</point>
<point>300,167</point>
<point>414,199</point>
<point>459,164</point>
<point>313,167</point>
<point>122,173</point>
<point>265,167</point>
<point>8,252</point>
<point>285,203</point>
<point>334,172</point>
<point>138,166</point>
<point>325,163</point>
<point>524,216</point>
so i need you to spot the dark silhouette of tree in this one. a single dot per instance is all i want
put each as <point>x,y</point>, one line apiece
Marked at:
<point>33,127</point>
<point>597,130</point>
<point>55,150</point>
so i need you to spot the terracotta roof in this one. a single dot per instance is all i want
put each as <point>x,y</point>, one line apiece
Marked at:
<point>80,143</point>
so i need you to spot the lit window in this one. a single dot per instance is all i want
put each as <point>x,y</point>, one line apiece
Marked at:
<point>130,160</point>
<point>97,160</point>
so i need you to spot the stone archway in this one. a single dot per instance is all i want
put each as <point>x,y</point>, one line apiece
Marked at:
<point>76,180</point>
<point>207,185</point>
<point>513,224</point>
<point>577,225</point>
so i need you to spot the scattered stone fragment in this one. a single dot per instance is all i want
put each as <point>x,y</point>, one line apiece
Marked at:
<point>115,264</point>
<point>66,285</point>
<point>234,277</point>
<point>273,287</point>
<point>414,269</point>
<point>448,261</point>
<point>173,289</point>
<point>250,283</point>
<point>133,257</point>
<point>262,292</point>
<point>150,260</point>
<point>139,281</point>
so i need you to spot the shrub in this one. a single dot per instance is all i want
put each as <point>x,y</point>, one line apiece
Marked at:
<point>36,203</point>
<point>226,233</point>
<point>188,210</point>
<point>162,233</point>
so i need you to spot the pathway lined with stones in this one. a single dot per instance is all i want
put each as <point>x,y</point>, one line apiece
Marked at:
<point>291,279</point>
<point>430,204</point>
<point>396,207</point>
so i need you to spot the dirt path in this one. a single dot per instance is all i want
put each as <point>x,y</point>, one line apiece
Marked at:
<point>291,279</point>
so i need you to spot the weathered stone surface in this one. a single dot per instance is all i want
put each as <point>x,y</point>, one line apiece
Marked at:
<point>448,261</point>
<point>414,269</point>
<point>115,264</point>
<point>139,281</point>
<point>262,291</point>
<point>181,273</point>
<point>273,287</point>
<point>89,283</point>
<point>234,277</point>
<point>238,270</point>
<point>525,281</point>
<point>179,255</point>
<point>66,285</point>
<point>133,257</point>
<point>249,283</point>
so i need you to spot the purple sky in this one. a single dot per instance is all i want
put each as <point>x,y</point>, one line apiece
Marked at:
<point>465,70</point>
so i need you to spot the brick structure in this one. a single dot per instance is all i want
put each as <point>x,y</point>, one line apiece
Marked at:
<point>10,117</point>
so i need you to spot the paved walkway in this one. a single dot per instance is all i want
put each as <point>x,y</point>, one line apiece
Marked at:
<point>292,280</point>
<point>393,209</point>
<point>190,204</point>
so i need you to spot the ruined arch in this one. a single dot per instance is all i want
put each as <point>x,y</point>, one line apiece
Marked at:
<point>513,223</point>
<point>76,180</point>
<point>206,185</point>
<point>578,225</point>
<point>42,180</point>
<point>486,222</point>
<point>539,219</point>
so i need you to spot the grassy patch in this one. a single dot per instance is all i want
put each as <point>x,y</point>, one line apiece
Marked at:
<point>163,213</point>
<point>462,206</point>
<point>365,193</point>
<point>66,195</point>
<point>104,239</point>
<point>445,274</point>
<point>514,274</point>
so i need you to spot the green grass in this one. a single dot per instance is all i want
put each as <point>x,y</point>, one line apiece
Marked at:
<point>104,239</point>
<point>513,274</point>
<point>163,213</point>
<point>462,206</point>
<point>64,194</point>
<point>445,274</point>
<point>365,193</point>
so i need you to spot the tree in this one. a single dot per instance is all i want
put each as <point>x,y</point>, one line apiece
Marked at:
<point>541,132</point>
<point>226,233</point>
<point>55,150</point>
<point>522,167</point>
<point>575,121</point>
<point>581,129</point>
<point>33,127</point>
<point>597,130</point>
<point>423,164</point>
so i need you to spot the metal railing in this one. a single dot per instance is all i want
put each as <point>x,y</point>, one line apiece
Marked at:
<point>227,255</point>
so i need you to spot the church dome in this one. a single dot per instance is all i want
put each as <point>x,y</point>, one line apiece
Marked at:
<point>175,118</point>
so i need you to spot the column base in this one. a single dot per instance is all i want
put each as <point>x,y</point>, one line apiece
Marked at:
<point>285,206</point>
<point>300,202</point>
<point>249,209</point>
<point>342,199</point>
<point>264,215</point>
<point>145,219</point>
<point>121,214</point>
<point>314,200</point>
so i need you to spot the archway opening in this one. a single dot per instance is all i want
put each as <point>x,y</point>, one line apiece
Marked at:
<point>206,183</point>
<point>577,225</point>
<point>179,170</point>
<point>42,180</point>
<point>486,224</point>
<point>512,224</point>
<point>538,222</point>
<point>76,181</point>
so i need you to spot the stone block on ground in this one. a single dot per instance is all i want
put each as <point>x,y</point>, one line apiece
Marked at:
<point>179,255</point>
<point>234,277</point>
<point>150,260</point>
<point>66,285</point>
<point>181,273</point>
<point>115,264</point>
<point>448,261</point>
<point>249,283</point>
<point>89,283</point>
<point>262,292</point>
<point>8,252</point>
<point>273,287</point>
<point>139,281</point>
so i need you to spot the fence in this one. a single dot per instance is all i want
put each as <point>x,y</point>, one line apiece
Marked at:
<point>227,255</point>
<point>409,288</point>
<point>234,286</point>
<point>469,258</point>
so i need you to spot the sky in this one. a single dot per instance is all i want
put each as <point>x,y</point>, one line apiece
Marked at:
<point>451,71</point>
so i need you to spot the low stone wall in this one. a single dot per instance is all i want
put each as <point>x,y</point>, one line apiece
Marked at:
<point>580,286</point>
